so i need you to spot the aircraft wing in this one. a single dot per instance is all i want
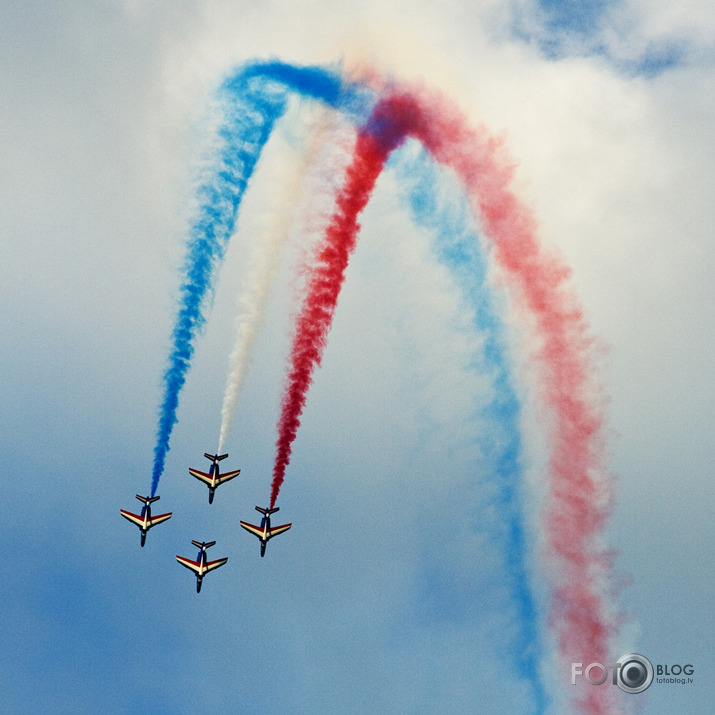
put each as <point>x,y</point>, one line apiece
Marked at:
<point>255,530</point>
<point>134,518</point>
<point>195,566</point>
<point>228,475</point>
<point>211,565</point>
<point>201,475</point>
<point>154,520</point>
<point>275,530</point>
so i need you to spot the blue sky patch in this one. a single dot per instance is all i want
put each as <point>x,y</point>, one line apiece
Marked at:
<point>568,28</point>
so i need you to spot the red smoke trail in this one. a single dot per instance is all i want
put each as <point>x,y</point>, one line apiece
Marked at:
<point>579,495</point>
<point>372,148</point>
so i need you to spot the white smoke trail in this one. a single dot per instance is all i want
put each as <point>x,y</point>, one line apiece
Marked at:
<point>301,170</point>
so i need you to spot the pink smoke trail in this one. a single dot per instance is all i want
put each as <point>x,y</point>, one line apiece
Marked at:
<point>580,494</point>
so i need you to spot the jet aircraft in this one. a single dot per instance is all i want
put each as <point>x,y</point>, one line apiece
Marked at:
<point>214,477</point>
<point>201,566</point>
<point>265,531</point>
<point>145,520</point>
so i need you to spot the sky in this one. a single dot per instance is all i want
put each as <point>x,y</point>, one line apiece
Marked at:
<point>385,596</point>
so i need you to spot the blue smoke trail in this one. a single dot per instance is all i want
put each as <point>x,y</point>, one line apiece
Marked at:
<point>459,249</point>
<point>254,98</point>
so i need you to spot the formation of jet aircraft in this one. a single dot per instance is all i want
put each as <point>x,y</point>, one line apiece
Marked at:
<point>201,566</point>
<point>214,477</point>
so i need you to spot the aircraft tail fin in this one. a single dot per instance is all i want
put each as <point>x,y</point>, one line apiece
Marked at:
<point>146,500</point>
<point>203,544</point>
<point>217,457</point>
<point>267,512</point>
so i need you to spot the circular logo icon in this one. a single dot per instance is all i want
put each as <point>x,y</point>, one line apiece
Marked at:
<point>635,674</point>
